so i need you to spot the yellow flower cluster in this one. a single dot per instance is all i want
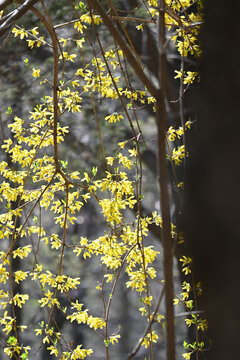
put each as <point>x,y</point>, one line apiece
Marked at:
<point>126,245</point>
<point>178,154</point>
<point>178,133</point>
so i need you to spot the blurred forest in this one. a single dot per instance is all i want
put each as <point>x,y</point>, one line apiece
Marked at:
<point>92,138</point>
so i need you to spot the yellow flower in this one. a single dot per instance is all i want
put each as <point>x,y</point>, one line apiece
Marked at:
<point>122,144</point>
<point>54,350</point>
<point>64,41</point>
<point>31,43</point>
<point>110,160</point>
<point>34,31</point>
<point>36,73</point>
<point>19,32</point>
<point>114,338</point>
<point>132,152</point>
<point>179,74</point>
<point>66,56</point>
<point>186,356</point>
<point>140,27</point>
<point>113,118</point>
<point>20,275</point>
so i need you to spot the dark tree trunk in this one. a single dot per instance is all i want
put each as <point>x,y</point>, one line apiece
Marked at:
<point>212,187</point>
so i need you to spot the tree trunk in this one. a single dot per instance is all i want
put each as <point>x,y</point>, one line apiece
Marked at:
<point>213,180</point>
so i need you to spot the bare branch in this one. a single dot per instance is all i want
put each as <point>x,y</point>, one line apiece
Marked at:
<point>8,20</point>
<point>163,185</point>
<point>4,4</point>
<point>130,57</point>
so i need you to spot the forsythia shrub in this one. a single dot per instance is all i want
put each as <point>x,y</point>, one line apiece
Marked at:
<point>36,180</point>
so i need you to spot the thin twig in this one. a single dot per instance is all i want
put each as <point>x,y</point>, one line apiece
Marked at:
<point>130,57</point>
<point>124,18</point>
<point>138,345</point>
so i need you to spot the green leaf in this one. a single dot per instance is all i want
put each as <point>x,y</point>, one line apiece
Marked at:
<point>9,111</point>
<point>106,342</point>
<point>24,356</point>
<point>12,340</point>
<point>64,164</point>
<point>94,170</point>
<point>82,6</point>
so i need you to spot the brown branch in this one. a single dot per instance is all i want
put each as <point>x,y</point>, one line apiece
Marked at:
<point>113,81</point>
<point>132,48</point>
<point>5,4</point>
<point>125,48</point>
<point>129,18</point>
<point>123,18</point>
<point>163,185</point>
<point>8,20</point>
